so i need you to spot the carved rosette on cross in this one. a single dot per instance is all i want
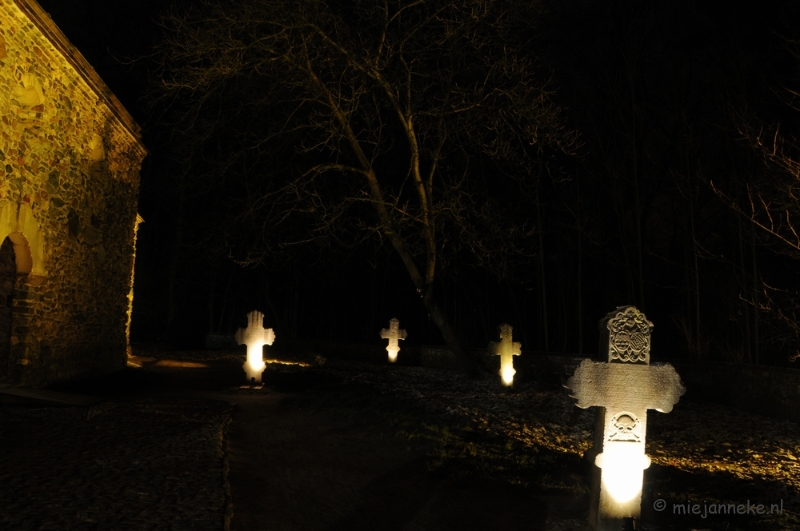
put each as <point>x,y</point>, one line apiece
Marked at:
<point>393,334</point>
<point>255,336</point>
<point>623,389</point>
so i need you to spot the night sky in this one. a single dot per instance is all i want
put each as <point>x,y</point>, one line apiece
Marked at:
<point>657,93</point>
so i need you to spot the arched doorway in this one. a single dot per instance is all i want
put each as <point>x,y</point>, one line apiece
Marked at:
<point>8,277</point>
<point>15,262</point>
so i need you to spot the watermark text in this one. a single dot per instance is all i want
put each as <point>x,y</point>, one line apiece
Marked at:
<point>704,509</point>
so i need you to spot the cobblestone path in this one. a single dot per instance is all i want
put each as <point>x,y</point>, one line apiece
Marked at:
<point>148,463</point>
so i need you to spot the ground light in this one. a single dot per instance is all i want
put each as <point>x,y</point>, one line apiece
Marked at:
<point>624,388</point>
<point>393,334</point>
<point>506,349</point>
<point>255,336</point>
<point>623,472</point>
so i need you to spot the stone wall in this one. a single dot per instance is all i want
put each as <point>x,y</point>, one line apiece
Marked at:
<point>68,193</point>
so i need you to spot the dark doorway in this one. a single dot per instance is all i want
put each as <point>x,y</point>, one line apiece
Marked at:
<point>8,276</point>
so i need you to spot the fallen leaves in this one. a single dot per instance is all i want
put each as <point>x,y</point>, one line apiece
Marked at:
<point>694,437</point>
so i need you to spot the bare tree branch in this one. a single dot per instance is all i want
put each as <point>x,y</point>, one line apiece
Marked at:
<point>271,94</point>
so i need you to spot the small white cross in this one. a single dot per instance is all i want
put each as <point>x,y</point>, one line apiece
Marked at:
<point>506,349</point>
<point>393,333</point>
<point>255,336</point>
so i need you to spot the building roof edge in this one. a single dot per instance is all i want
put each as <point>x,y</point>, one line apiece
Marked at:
<point>48,27</point>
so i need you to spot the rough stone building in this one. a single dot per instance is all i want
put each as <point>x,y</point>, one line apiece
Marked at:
<point>69,179</point>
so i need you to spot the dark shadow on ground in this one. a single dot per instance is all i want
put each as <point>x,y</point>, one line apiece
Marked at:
<point>409,498</point>
<point>310,453</point>
<point>131,382</point>
<point>670,496</point>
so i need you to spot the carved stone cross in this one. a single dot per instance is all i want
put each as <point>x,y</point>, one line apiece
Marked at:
<point>393,333</point>
<point>624,389</point>
<point>506,349</point>
<point>255,336</point>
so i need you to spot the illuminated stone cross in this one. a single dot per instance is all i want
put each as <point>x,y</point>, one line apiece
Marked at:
<point>506,349</point>
<point>624,389</point>
<point>393,333</point>
<point>255,336</point>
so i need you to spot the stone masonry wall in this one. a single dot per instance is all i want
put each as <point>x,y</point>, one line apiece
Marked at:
<point>67,159</point>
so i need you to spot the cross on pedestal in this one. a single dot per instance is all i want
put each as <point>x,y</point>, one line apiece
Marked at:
<point>623,390</point>
<point>255,336</point>
<point>506,349</point>
<point>393,333</point>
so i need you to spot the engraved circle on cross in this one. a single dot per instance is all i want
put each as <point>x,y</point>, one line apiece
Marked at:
<point>625,426</point>
<point>505,332</point>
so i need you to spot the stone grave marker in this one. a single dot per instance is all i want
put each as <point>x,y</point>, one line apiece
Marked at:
<point>255,336</point>
<point>622,389</point>
<point>506,349</point>
<point>393,334</point>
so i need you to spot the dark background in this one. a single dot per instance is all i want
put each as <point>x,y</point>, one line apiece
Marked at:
<point>656,91</point>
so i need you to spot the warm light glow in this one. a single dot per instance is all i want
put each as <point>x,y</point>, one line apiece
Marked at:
<point>137,362</point>
<point>180,363</point>
<point>283,362</point>
<point>138,220</point>
<point>506,349</point>
<point>622,471</point>
<point>393,334</point>
<point>255,336</point>
<point>254,367</point>
<point>507,373</point>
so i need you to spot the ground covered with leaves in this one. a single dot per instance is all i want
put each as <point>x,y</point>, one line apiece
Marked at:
<point>710,460</point>
<point>712,466</point>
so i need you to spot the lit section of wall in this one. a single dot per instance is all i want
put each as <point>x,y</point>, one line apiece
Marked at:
<point>139,220</point>
<point>70,158</point>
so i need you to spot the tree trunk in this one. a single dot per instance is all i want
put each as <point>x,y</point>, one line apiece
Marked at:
<point>637,205</point>
<point>697,338</point>
<point>748,338</point>
<point>279,321</point>
<point>580,290</point>
<point>172,275</point>
<point>424,284</point>
<point>211,290</point>
<point>580,260</point>
<point>543,281</point>
<point>467,363</point>
<point>756,353</point>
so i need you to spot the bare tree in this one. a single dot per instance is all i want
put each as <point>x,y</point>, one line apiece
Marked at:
<point>414,123</point>
<point>769,197</point>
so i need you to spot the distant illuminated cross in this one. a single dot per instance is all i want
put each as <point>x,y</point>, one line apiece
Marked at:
<point>506,349</point>
<point>255,336</point>
<point>393,333</point>
<point>624,389</point>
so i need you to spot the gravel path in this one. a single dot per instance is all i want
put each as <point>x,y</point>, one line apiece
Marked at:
<point>146,464</point>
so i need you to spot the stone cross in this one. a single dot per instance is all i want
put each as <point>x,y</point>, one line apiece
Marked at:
<point>623,389</point>
<point>506,349</point>
<point>393,333</point>
<point>255,336</point>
